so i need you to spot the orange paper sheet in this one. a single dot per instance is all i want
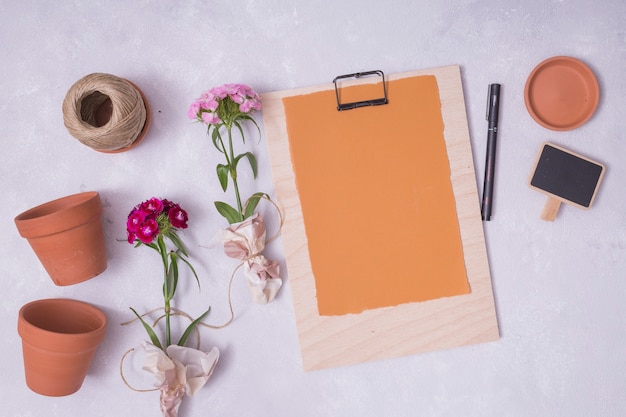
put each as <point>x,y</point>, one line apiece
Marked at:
<point>377,201</point>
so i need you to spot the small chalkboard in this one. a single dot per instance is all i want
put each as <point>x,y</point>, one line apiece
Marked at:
<point>565,177</point>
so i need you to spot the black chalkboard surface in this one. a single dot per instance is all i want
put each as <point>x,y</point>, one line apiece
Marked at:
<point>565,177</point>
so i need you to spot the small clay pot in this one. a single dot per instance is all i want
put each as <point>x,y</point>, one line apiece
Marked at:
<point>59,340</point>
<point>67,236</point>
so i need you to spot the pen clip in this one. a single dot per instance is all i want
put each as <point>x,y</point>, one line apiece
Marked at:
<point>493,98</point>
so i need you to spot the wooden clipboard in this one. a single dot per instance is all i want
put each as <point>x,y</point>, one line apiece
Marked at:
<point>393,330</point>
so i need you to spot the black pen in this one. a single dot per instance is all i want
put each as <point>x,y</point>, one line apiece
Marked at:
<point>493,104</point>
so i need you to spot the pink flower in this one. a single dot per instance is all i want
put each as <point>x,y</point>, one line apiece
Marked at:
<point>237,98</point>
<point>246,106</point>
<point>178,217</point>
<point>210,103</point>
<point>194,108</point>
<point>221,91</point>
<point>211,118</point>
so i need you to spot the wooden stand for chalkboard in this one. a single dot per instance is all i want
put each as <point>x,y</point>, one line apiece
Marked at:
<point>550,209</point>
<point>414,327</point>
<point>565,177</point>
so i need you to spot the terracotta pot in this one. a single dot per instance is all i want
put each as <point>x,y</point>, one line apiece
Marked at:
<point>67,236</point>
<point>59,340</point>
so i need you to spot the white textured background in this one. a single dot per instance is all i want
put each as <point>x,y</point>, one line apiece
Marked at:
<point>559,288</point>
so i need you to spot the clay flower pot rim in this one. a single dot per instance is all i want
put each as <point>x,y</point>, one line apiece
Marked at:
<point>91,320</point>
<point>51,214</point>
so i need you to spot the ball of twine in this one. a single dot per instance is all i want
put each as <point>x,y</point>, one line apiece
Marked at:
<point>104,112</point>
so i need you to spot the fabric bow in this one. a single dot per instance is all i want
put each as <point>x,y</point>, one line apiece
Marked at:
<point>245,241</point>
<point>179,370</point>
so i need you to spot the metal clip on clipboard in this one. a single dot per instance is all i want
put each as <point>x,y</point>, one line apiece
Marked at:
<point>363,103</point>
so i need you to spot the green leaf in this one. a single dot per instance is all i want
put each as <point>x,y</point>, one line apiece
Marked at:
<point>172,276</point>
<point>243,138</point>
<point>222,175</point>
<point>150,245</point>
<point>161,246</point>
<point>162,250</point>
<point>253,163</point>
<point>252,203</point>
<point>229,213</point>
<point>177,242</point>
<point>190,328</point>
<point>192,270</point>
<point>255,124</point>
<point>251,159</point>
<point>217,139</point>
<point>151,333</point>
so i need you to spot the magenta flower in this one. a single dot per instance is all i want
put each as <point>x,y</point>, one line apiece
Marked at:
<point>135,220</point>
<point>154,205</point>
<point>178,217</point>
<point>167,205</point>
<point>148,231</point>
<point>154,217</point>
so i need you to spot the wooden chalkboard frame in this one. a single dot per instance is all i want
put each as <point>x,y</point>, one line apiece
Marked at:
<point>331,341</point>
<point>585,188</point>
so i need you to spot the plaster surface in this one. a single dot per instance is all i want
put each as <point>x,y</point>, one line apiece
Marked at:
<point>559,287</point>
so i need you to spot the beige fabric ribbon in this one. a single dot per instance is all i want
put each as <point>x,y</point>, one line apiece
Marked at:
<point>179,370</point>
<point>245,241</point>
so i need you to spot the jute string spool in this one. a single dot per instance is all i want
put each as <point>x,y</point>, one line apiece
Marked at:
<point>105,112</point>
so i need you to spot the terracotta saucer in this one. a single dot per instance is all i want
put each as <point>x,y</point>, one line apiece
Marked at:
<point>561,93</point>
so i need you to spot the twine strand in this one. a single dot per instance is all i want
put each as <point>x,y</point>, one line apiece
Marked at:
<point>85,100</point>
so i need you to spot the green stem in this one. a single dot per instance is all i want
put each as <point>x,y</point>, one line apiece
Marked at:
<point>219,137</point>
<point>168,336</point>
<point>233,172</point>
<point>166,287</point>
<point>239,205</point>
